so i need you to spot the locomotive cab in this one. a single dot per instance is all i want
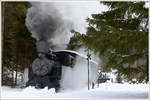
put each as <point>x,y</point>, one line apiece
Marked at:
<point>66,59</point>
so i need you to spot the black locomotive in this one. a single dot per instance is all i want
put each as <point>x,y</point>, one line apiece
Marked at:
<point>48,74</point>
<point>47,68</point>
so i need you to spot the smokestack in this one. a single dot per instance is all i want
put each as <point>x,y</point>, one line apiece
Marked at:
<point>42,46</point>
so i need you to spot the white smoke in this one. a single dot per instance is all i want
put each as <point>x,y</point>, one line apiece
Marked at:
<point>44,21</point>
<point>25,75</point>
<point>76,77</point>
<point>54,20</point>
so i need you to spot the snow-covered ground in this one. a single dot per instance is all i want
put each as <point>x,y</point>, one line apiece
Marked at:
<point>105,90</point>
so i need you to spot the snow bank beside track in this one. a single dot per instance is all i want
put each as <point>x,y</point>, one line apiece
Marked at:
<point>105,90</point>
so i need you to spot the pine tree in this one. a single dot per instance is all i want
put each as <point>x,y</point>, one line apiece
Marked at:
<point>120,35</point>
<point>19,47</point>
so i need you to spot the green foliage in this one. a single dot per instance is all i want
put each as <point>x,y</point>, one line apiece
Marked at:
<point>19,46</point>
<point>120,35</point>
<point>75,41</point>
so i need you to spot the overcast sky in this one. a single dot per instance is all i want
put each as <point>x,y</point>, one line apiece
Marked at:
<point>78,11</point>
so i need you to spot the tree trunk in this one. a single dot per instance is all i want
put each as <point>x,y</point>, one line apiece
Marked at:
<point>88,76</point>
<point>16,74</point>
<point>2,41</point>
<point>18,61</point>
<point>147,69</point>
<point>13,73</point>
<point>88,59</point>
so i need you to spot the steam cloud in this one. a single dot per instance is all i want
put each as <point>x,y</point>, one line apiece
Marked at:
<point>54,20</point>
<point>45,22</point>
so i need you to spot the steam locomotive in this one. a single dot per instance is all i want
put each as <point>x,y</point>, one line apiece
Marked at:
<point>51,77</point>
<point>46,70</point>
<point>48,74</point>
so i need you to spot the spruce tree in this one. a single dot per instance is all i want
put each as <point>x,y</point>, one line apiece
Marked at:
<point>120,35</point>
<point>19,47</point>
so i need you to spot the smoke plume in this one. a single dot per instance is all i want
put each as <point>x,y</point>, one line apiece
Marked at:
<point>46,23</point>
<point>54,20</point>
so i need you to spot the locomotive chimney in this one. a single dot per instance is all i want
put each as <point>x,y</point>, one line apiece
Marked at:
<point>42,47</point>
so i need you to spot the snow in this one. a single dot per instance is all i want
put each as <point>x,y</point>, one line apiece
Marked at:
<point>105,90</point>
